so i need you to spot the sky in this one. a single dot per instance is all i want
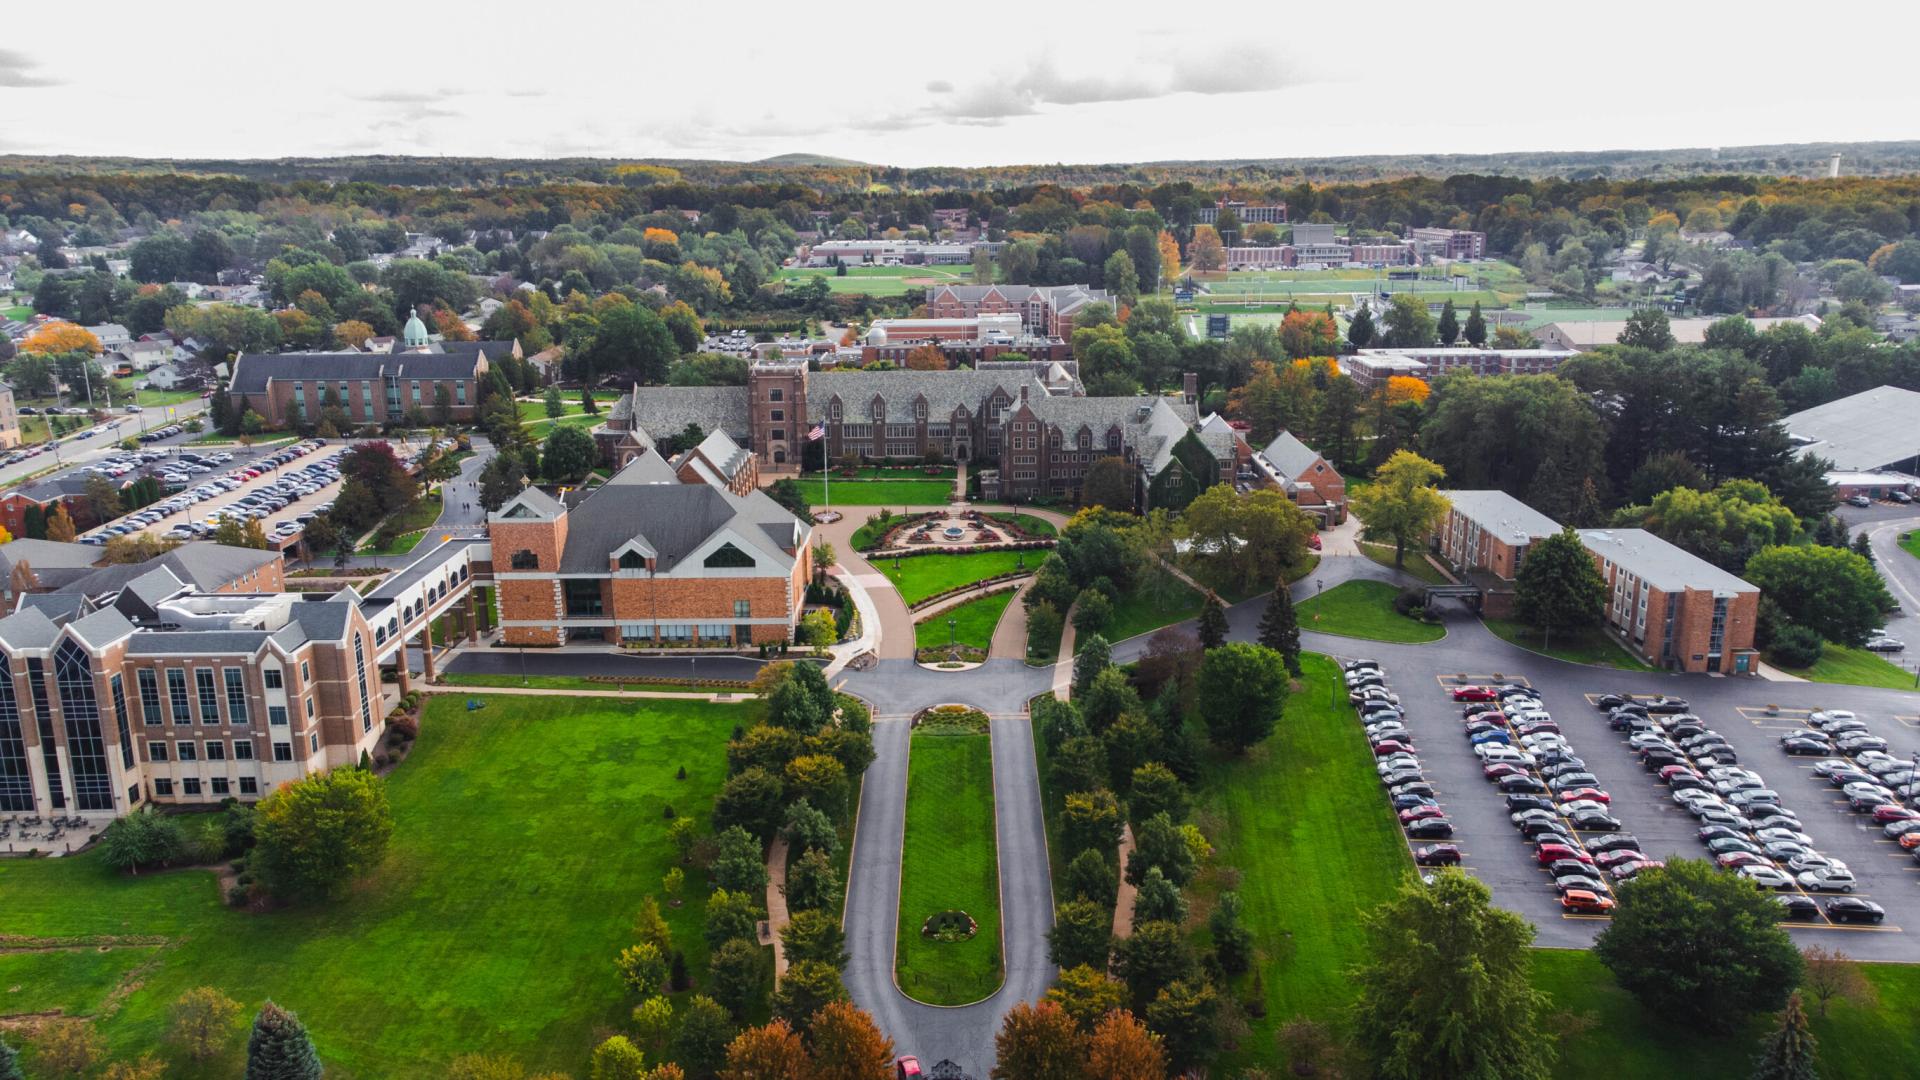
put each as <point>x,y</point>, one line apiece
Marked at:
<point>920,84</point>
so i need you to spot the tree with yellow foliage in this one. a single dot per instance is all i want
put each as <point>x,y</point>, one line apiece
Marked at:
<point>1405,388</point>
<point>1169,257</point>
<point>351,334</point>
<point>660,236</point>
<point>1206,251</point>
<point>61,337</point>
<point>60,524</point>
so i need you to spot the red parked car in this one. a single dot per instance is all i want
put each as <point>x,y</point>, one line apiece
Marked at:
<point>1313,541</point>
<point>907,1067</point>
<point>1391,746</point>
<point>1500,769</point>
<point>1586,793</point>
<point>1891,813</point>
<point>1582,902</point>
<point>1409,816</point>
<point>1473,693</point>
<point>1547,853</point>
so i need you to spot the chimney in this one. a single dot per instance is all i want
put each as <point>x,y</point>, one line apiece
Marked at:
<point>1190,387</point>
<point>1023,393</point>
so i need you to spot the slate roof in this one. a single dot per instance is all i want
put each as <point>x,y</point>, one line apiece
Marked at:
<point>46,554</point>
<point>669,409</point>
<point>648,468</point>
<point>101,628</point>
<point>251,372</point>
<point>944,391</point>
<point>205,566</point>
<point>1150,425</point>
<point>197,642</point>
<point>672,520</point>
<point>1289,455</point>
<point>724,454</point>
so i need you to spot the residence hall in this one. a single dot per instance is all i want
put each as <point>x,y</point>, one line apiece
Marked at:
<point>1484,537</point>
<point>290,389</point>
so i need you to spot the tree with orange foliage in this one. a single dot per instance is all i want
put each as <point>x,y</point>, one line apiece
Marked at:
<point>926,358</point>
<point>1039,1042</point>
<point>1309,333</point>
<point>60,524</point>
<point>660,236</point>
<point>847,1045</point>
<point>61,337</point>
<point>1123,1049</point>
<point>1205,251</point>
<point>771,1052</point>
<point>1405,388</point>
<point>351,334</point>
<point>451,327</point>
<point>1169,257</point>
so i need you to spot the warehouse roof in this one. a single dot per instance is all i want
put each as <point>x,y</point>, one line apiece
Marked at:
<point>1861,432</point>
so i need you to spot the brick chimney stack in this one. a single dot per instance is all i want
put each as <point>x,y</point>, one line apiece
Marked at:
<point>1190,387</point>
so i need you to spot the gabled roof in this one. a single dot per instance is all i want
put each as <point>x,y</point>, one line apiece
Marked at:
<point>648,468</point>
<point>252,372</point>
<point>673,520</point>
<point>1868,430</point>
<point>723,454</point>
<point>1289,455</point>
<point>667,410</point>
<point>944,391</point>
<point>1150,426</point>
<point>532,504</point>
<point>101,628</point>
<point>27,629</point>
<point>206,567</point>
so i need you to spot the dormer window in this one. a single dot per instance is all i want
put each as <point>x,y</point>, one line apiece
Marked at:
<point>632,560</point>
<point>1086,440</point>
<point>919,410</point>
<point>878,410</point>
<point>726,556</point>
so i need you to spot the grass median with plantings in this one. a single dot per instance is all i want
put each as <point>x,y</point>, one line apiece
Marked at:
<point>921,576</point>
<point>928,492</point>
<point>575,682</point>
<point>1037,528</point>
<point>949,864</point>
<point>1302,819</point>
<point>1148,607</point>
<point>497,912</point>
<point>408,525</point>
<point>974,622</point>
<point>1364,609</point>
<point>1589,646</point>
<point>1415,563</point>
<point>1854,667</point>
<point>1910,543</point>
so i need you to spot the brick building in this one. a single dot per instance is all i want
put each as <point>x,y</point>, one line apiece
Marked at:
<point>648,558</point>
<point>1051,443</point>
<point>1485,536</point>
<point>1674,609</point>
<point>372,388</point>
<point>1045,311</point>
<point>1449,243</point>
<point>1369,367</point>
<point>1307,478</point>
<point>1274,214</point>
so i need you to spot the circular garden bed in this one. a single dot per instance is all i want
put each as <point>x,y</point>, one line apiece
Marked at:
<point>950,926</point>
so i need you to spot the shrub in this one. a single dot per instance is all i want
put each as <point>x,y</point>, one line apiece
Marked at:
<point>1797,646</point>
<point>1410,602</point>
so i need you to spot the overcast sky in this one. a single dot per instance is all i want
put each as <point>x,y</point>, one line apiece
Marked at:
<point>918,83</point>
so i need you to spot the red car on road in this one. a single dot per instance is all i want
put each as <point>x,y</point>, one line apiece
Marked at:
<point>1473,693</point>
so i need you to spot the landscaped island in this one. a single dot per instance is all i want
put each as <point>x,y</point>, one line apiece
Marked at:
<point>949,863</point>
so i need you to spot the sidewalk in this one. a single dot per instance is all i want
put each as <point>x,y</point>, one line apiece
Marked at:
<point>438,688</point>
<point>777,903</point>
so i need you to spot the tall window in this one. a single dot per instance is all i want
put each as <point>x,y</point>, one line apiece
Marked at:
<point>209,700</point>
<point>120,718</point>
<point>360,668</point>
<point>149,696</point>
<point>86,749</point>
<point>43,714</point>
<point>16,778</point>
<point>177,696</point>
<point>236,695</point>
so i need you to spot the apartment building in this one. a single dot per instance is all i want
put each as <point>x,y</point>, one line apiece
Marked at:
<point>1449,243</point>
<point>1674,609</point>
<point>1485,536</point>
<point>1045,311</point>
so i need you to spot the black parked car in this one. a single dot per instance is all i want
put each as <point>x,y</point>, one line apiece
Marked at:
<point>1610,702</point>
<point>1517,803</point>
<point>1665,704</point>
<point>1803,744</point>
<point>1438,828</point>
<point>1619,841</point>
<point>1437,855</point>
<point>1516,785</point>
<point>1594,821</point>
<point>1852,909</point>
<point>1797,908</point>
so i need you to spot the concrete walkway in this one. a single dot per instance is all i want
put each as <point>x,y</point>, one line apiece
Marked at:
<point>777,903</point>
<point>1123,900</point>
<point>1010,633</point>
<point>954,601</point>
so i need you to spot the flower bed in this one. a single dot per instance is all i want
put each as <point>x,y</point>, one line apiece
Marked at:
<point>950,720</point>
<point>950,654</point>
<point>950,926</point>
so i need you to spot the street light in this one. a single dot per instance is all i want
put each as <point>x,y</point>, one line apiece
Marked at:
<point>951,623</point>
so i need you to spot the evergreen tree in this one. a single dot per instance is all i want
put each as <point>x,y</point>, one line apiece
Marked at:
<point>280,1048</point>
<point>1476,332</point>
<point>1862,546</point>
<point>10,1063</point>
<point>1158,900</point>
<point>1095,657</point>
<point>1213,623</point>
<point>1280,628</point>
<point>1789,1051</point>
<point>1360,329</point>
<point>1449,324</point>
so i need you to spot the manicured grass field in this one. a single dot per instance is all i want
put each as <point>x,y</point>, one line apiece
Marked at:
<point>1415,564</point>
<point>922,576</point>
<point>876,472</point>
<point>1624,1040</point>
<point>1591,646</point>
<point>543,426</point>
<point>526,835</point>
<point>571,682</point>
<point>1910,543</point>
<point>877,492</point>
<point>19,313</point>
<point>1855,667</point>
<point>1363,609</point>
<point>1034,526</point>
<point>1143,610</point>
<point>973,623</point>
<point>74,981</point>
<point>1302,818</point>
<point>537,410</point>
<point>414,522</point>
<point>949,863</point>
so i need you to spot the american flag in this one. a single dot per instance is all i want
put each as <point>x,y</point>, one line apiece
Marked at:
<point>819,432</point>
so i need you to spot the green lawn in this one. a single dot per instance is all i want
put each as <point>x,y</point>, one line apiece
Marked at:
<point>1415,564</point>
<point>543,426</point>
<point>1856,667</point>
<point>878,280</point>
<point>1302,818</point>
<point>1592,646</point>
<point>414,522</point>
<point>921,576</point>
<point>1910,543</point>
<point>973,623</point>
<point>949,863</point>
<point>19,313</point>
<point>518,859</point>
<point>1036,527</point>
<point>1625,1041</point>
<point>1144,610</point>
<point>928,492</point>
<point>73,981</point>
<point>876,472</point>
<point>124,393</point>
<point>531,411</point>
<point>1364,609</point>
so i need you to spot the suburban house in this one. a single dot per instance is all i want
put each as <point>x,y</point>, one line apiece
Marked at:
<point>1307,478</point>
<point>1485,536</point>
<point>112,336</point>
<point>9,418</point>
<point>648,558</point>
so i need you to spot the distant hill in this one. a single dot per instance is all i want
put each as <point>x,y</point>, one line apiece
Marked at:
<point>814,159</point>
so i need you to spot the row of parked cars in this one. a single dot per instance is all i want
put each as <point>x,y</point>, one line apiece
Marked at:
<point>1552,795</point>
<point>255,505</point>
<point>156,434</point>
<point>1875,783</point>
<point>1742,823</point>
<point>1411,794</point>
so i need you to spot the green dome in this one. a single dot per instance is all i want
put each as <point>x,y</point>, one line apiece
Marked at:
<point>415,333</point>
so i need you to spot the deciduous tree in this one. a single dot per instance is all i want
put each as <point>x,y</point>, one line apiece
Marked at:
<point>1558,587</point>
<point>1039,1042</point>
<point>773,1051</point>
<point>71,1048</point>
<point>1833,974</point>
<point>1403,504</point>
<point>1830,590</point>
<point>847,1045</point>
<point>1121,1048</point>
<point>202,1020</point>
<point>1243,691</point>
<point>1087,994</point>
<point>314,835</point>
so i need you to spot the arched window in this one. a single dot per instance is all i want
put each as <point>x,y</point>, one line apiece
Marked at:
<point>1086,439</point>
<point>833,410</point>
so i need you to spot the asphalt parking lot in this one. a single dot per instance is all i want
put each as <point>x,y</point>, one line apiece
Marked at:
<point>1495,852</point>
